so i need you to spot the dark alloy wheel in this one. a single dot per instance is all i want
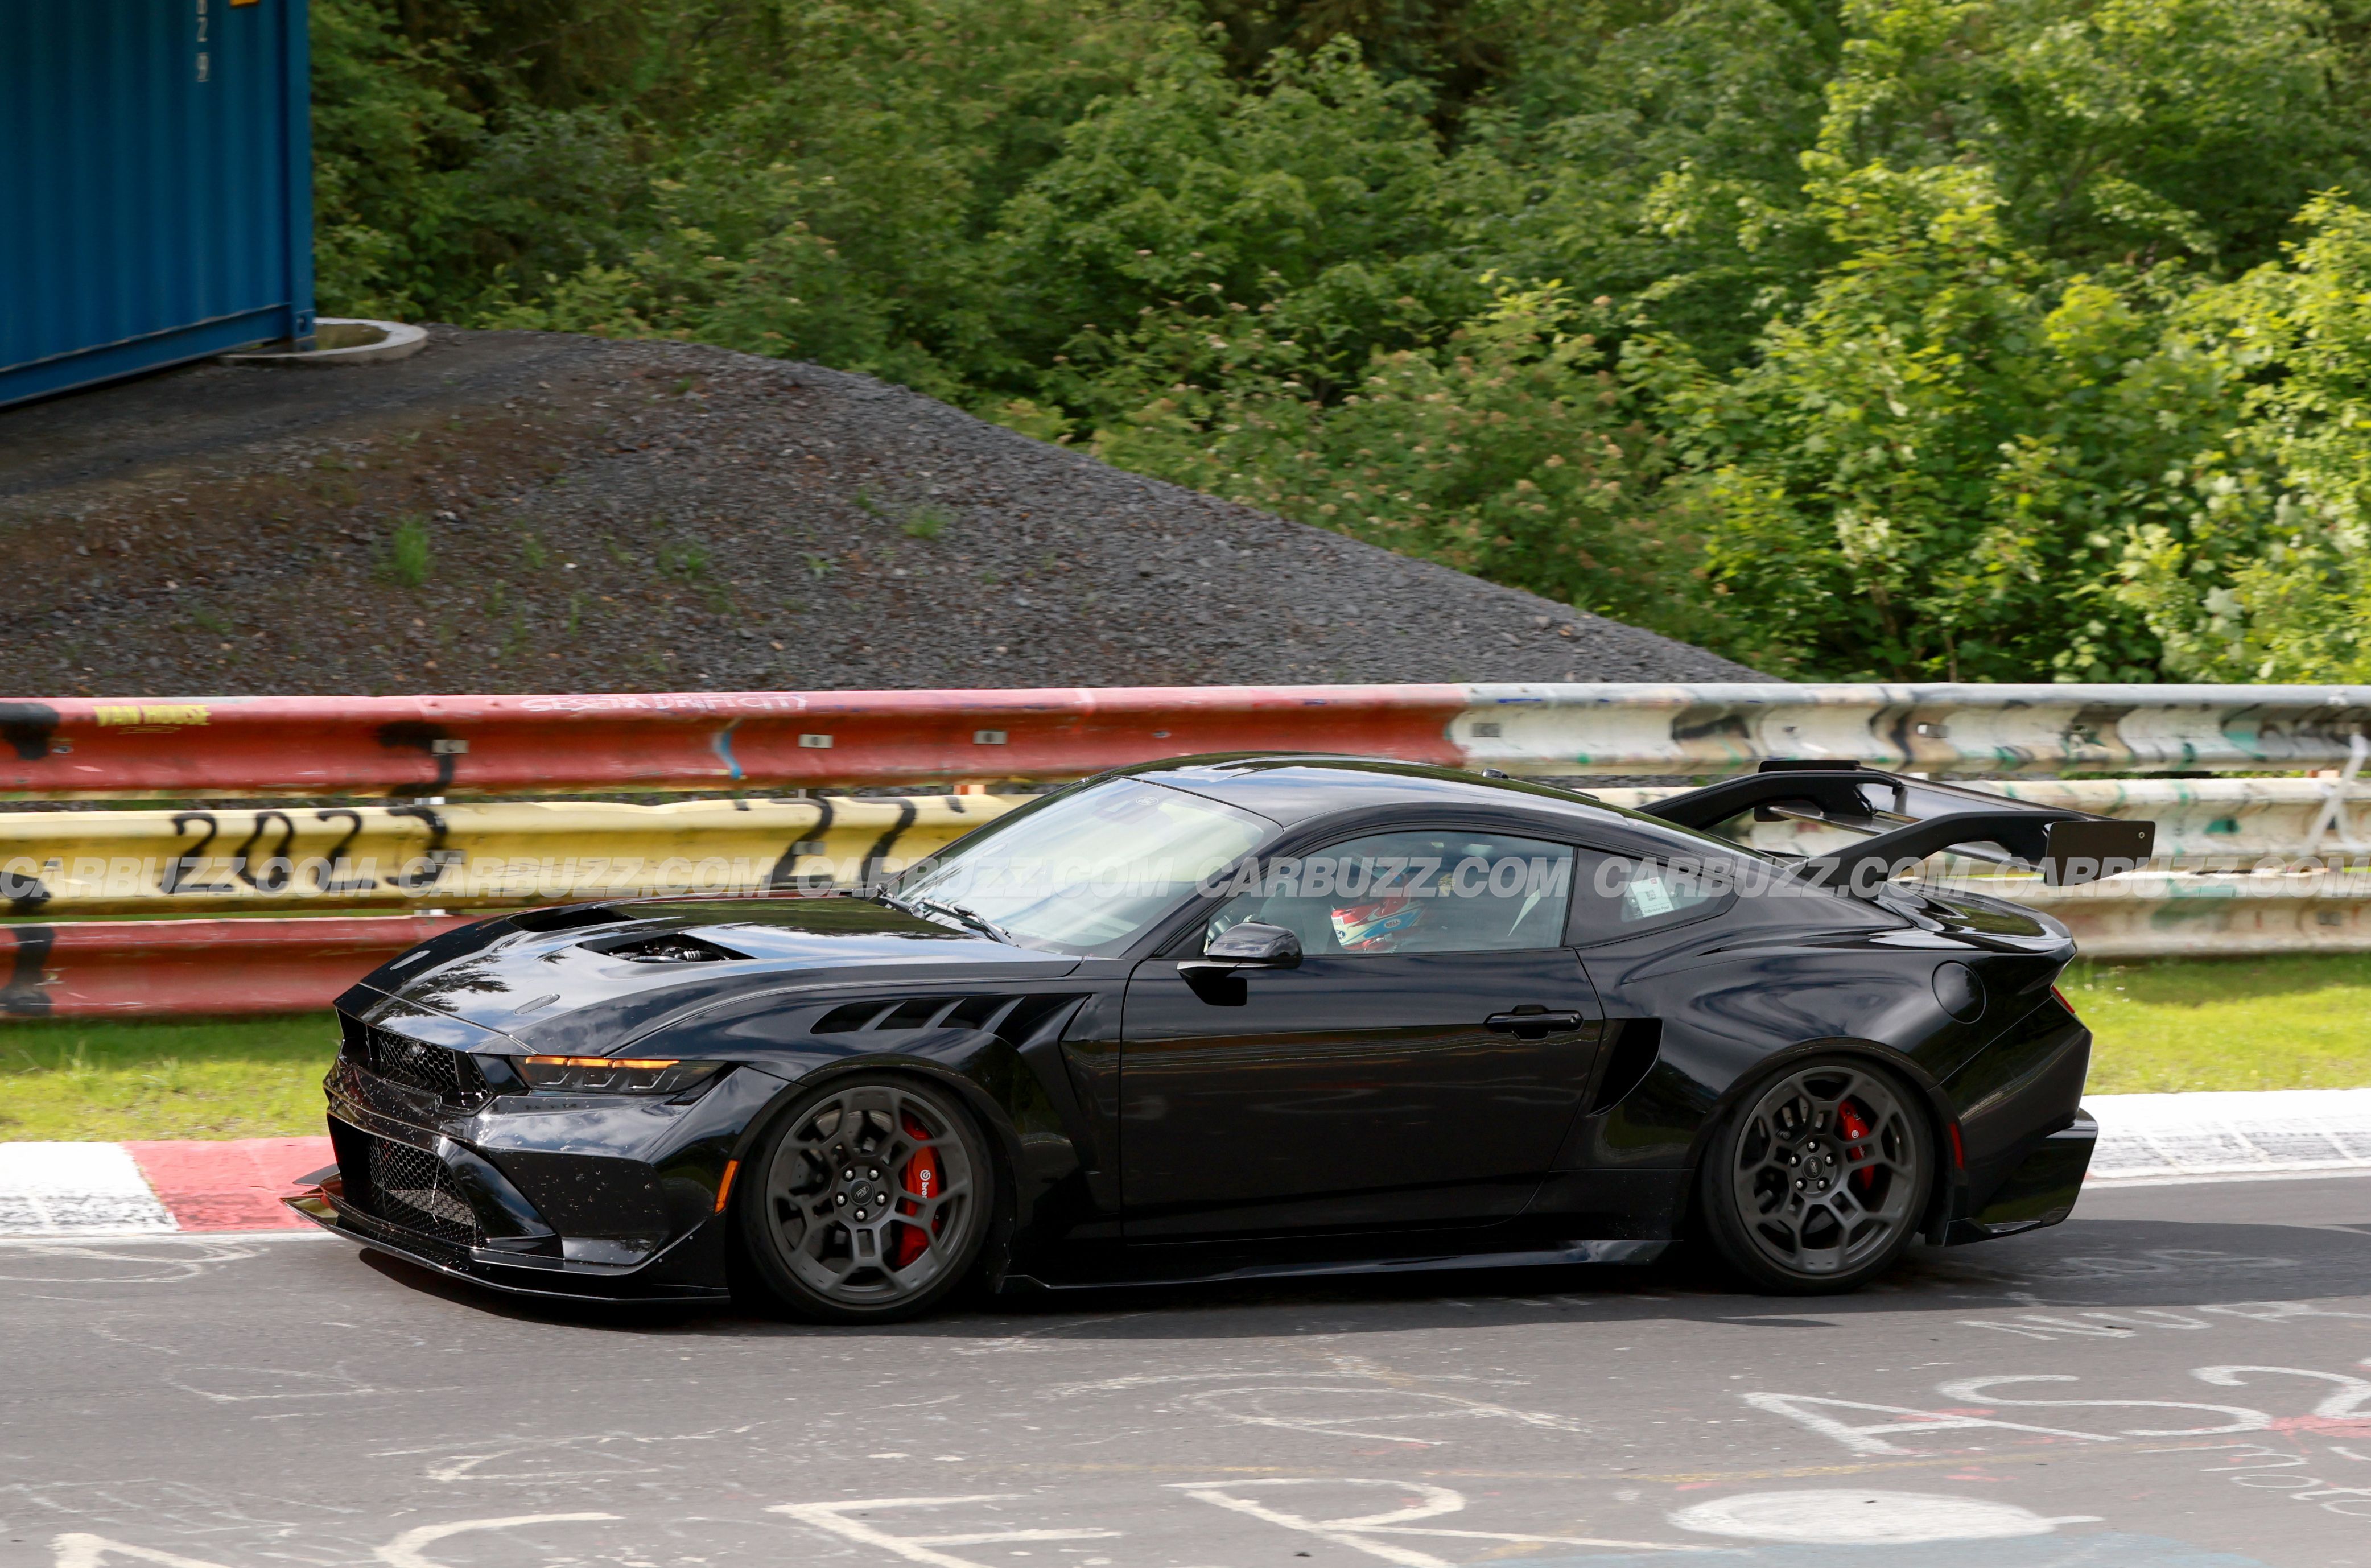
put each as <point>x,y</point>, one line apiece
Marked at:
<point>1817,1181</point>
<point>870,1201</point>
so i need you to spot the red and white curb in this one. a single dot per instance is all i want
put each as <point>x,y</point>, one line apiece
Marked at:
<point>160,1188</point>
<point>166,1188</point>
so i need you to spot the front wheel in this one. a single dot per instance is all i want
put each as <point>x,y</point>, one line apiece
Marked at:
<point>1815,1182</point>
<point>870,1201</point>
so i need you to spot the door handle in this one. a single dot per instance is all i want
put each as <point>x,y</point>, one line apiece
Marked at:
<point>1533,1024</point>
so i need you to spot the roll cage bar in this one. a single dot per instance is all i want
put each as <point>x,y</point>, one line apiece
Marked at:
<point>1907,820</point>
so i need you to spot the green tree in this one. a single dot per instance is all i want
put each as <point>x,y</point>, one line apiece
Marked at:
<point>2269,578</point>
<point>1317,188</point>
<point>2114,128</point>
<point>1932,468</point>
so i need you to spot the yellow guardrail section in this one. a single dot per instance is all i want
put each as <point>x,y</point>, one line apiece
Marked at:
<point>165,862</point>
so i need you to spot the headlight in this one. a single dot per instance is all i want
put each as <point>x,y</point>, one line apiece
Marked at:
<point>614,1075</point>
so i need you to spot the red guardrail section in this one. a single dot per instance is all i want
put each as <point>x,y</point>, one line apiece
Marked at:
<point>125,968</point>
<point>91,748</point>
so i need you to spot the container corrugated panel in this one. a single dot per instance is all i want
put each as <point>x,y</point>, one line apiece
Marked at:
<point>156,202</point>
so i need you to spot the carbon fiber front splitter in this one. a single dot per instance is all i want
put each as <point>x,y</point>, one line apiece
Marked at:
<point>550,1278</point>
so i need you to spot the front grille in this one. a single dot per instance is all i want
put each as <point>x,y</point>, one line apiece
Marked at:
<point>410,1187</point>
<point>451,1076</point>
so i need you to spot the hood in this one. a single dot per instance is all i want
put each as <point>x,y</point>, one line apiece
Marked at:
<point>551,981</point>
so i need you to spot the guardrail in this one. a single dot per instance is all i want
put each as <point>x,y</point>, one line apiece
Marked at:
<point>153,863</point>
<point>425,854</point>
<point>409,746</point>
<point>506,855</point>
<point>131,968</point>
<point>2201,824</point>
<point>262,966</point>
<point>2160,914</point>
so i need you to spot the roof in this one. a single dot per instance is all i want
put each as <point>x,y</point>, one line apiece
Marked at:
<point>1287,788</point>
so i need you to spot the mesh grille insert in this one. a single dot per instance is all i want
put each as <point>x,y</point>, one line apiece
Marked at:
<point>410,1187</point>
<point>452,1076</point>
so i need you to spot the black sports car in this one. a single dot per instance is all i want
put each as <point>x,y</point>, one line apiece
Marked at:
<point>1237,1016</point>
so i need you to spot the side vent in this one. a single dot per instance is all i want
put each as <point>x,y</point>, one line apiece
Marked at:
<point>1636,1043</point>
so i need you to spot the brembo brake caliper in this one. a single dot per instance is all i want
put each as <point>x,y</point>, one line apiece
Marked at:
<point>1849,1122</point>
<point>920,1178</point>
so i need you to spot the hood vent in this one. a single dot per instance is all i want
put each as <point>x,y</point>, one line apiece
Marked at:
<point>567,918</point>
<point>669,947</point>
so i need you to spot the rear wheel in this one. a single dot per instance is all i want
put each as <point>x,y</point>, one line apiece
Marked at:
<point>1816,1181</point>
<point>870,1202</point>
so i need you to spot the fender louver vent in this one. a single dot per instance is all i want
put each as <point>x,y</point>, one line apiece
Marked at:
<point>1015,1017</point>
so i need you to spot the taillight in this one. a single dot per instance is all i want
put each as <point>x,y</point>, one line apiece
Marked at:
<point>2061,999</point>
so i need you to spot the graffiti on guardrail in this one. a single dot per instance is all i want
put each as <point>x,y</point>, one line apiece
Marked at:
<point>467,855</point>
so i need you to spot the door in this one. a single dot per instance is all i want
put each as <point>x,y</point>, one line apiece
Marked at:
<point>1419,1068</point>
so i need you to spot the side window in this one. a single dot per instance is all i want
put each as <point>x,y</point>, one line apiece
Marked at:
<point>1412,892</point>
<point>1619,895</point>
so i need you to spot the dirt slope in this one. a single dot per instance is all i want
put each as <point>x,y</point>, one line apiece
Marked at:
<point>601,516</point>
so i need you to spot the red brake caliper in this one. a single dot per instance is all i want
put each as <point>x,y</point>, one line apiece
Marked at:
<point>920,1178</point>
<point>1850,1123</point>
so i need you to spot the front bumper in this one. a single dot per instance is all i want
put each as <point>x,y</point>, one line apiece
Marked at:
<point>325,1205</point>
<point>613,1199</point>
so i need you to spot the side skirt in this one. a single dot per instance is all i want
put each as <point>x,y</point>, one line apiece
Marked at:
<point>1552,1256</point>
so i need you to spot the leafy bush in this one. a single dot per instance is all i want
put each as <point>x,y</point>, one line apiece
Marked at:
<point>1512,451</point>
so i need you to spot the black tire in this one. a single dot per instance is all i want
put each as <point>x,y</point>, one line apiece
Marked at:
<point>837,1211</point>
<point>1816,1179</point>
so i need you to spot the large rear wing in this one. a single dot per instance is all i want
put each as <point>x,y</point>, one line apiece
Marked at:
<point>1907,820</point>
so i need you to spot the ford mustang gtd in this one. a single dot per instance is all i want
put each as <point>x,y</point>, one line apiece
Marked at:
<point>1235,1016</point>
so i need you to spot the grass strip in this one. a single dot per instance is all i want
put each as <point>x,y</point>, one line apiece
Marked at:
<point>2295,1020</point>
<point>249,1078</point>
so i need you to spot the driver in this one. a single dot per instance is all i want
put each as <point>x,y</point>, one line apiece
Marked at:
<point>1377,927</point>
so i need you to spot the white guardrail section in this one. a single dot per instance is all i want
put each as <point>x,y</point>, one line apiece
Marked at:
<point>1978,732</point>
<point>2243,865</point>
<point>2225,824</point>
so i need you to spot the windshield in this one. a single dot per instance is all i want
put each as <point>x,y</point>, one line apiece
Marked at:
<point>1089,869</point>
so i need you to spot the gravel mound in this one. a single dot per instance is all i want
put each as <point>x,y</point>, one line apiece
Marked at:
<point>526,512</point>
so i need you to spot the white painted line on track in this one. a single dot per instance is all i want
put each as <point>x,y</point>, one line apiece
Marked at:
<point>2224,1177</point>
<point>75,1189</point>
<point>2155,1138</point>
<point>141,1237</point>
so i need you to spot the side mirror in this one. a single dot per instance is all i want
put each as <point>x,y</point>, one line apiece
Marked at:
<point>1248,946</point>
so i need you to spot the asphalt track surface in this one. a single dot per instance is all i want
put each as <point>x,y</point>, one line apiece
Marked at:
<point>2174,1378</point>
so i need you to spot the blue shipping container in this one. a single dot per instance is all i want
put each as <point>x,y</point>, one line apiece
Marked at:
<point>155,195</point>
